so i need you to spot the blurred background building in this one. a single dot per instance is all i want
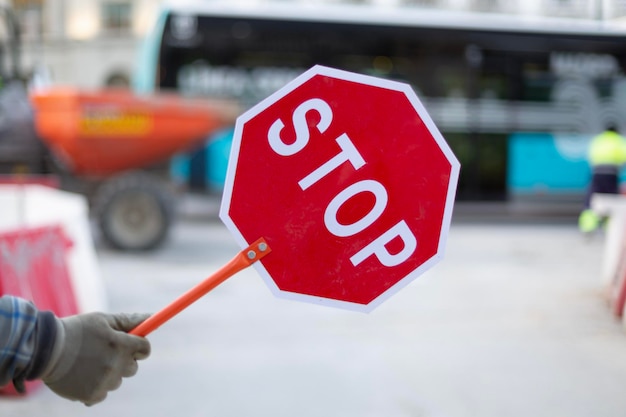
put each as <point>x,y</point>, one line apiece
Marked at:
<point>87,43</point>
<point>92,43</point>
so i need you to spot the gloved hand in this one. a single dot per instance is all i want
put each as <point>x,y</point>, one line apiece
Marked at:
<point>92,353</point>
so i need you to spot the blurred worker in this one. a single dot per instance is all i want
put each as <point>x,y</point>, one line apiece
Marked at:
<point>607,154</point>
<point>80,358</point>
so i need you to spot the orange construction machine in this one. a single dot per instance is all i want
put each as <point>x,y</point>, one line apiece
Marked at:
<point>110,144</point>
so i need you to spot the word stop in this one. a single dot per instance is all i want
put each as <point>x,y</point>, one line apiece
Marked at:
<point>348,153</point>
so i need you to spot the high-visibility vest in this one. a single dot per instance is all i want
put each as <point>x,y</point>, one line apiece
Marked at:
<point>607,148</point>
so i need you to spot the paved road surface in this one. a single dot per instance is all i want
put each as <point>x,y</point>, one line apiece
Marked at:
<point>513,323</point>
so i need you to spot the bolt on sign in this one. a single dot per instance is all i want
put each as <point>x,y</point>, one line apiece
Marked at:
<point>348,180</point>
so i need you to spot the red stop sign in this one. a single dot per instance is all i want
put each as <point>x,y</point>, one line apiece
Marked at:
<point>350,183</point>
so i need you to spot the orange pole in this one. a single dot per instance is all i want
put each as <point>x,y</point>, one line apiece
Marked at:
<point>242,260</point>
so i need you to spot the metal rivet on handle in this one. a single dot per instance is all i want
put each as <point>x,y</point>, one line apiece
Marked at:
<point>251,254</point>
<point>262,246</point>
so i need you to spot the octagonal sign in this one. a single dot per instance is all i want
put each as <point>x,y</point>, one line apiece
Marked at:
<point>350,183</point>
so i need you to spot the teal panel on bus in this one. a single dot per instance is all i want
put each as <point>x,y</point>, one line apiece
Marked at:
<point>218,151</point>
<point>180,168</point>
<point>213,160</point>
<point>543,163</point>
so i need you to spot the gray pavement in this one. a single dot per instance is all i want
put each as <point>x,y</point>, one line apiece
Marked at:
<point>512,323</point>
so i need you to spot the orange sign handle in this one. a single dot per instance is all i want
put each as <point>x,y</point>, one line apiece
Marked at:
<point>242,260</point>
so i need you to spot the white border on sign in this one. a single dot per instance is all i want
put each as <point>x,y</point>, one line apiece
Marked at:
<point>362,79</point>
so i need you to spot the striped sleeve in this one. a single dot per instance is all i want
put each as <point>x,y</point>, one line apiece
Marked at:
<point>27,338</point>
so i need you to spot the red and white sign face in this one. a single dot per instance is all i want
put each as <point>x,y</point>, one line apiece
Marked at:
<point>349,182</point>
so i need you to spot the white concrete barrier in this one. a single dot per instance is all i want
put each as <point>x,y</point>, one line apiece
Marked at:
<point>614,207</point>
<point>25,206</point>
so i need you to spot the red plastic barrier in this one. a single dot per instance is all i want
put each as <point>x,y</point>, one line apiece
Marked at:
<point>33,265</point>
<point>617,294</point>
<point>618,289</point>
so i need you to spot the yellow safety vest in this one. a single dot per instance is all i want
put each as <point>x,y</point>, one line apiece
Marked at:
<point>608,148</point>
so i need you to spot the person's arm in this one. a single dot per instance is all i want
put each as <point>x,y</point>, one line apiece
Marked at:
<point>80,358</point>
<point>27,338</point>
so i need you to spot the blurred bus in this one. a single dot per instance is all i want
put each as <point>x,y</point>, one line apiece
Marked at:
<point>517,98</point>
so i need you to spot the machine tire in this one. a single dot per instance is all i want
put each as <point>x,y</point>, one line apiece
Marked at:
<point>134,212</point>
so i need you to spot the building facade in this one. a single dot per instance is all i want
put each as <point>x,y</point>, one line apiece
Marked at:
<point>85,43</point>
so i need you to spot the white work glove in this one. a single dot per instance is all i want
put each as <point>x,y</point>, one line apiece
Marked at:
<point>92,353</point>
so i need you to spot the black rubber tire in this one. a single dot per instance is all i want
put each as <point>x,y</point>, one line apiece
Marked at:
<point>134,212</point>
